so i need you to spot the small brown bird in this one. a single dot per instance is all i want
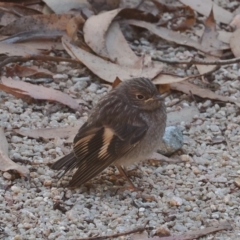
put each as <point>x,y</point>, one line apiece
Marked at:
<point>125,127</point>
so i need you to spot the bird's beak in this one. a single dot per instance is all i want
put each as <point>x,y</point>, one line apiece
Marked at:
<point>158,97</point>
<point>155,98</point>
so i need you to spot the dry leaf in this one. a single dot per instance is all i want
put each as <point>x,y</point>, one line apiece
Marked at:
<point>235,23</point>
<point>29,48</point>
<point>184,12</point>
<point>169,35</point>
<point>116,82</point>
<point>123,55</point>
<point>18,9</point>
<point>26,90</point>
<point>203,7</point>
<point>50,133</point>
<point>105,37</point>
<point>234,43</point>
<point>95,30</point>
<point>6,163</point>
<point>167,79</point>
<point>73,26</point>
<point>63,6</point>
<point>23,71</point>
<point>107,70</point>
<point>210,39</point>
<point>189,88</point>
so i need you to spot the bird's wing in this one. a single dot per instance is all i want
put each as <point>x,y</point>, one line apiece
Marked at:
<point>95,148</point>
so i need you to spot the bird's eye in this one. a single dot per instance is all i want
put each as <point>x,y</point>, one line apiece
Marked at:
<point>140,97</point>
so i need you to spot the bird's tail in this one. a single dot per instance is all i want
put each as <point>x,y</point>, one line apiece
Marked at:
<point>65,163</point>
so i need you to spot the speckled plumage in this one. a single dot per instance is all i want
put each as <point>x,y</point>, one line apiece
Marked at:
<point>125,127</point>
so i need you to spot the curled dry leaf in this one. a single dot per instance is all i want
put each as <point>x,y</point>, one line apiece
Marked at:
<point>105,37</point>
<point>118,48</point>
<point>26,90</point>
<point>107,70</point>
<point>95,30</point>
<point>6,163</point>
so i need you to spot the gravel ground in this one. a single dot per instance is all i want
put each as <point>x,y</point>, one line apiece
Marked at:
<point>200,191</point>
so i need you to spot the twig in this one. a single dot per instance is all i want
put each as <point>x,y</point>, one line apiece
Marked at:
<point>14,59</point>
<point>139,229</point>
<point>196,234</point>
<point>197,61</point>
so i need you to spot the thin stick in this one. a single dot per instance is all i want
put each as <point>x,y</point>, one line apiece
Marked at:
<point>197,61</point>
<point>14,59</point>
<point>139,229</point>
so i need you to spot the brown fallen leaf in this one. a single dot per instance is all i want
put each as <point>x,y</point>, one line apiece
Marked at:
<point>6,163</point>
<point>26,90</point>
<point>170,35</point>
<point>63,6</point>
<point>203,6</point>
<point>107,70</point>
<point>209,38</point>
<point>74,25</point>
<point>184,12</point>
<point>190,88</point>
<point>123,55</point>
<point>17,9</point>
<point>23,71</point>
<point>116,82</point>
<point>104,36</point>
<point>167,79</point>
<point>234,43</point>
<point>95,30</point>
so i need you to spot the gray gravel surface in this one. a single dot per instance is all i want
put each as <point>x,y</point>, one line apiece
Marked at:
<point>198,192</point>
<point>193,194</point>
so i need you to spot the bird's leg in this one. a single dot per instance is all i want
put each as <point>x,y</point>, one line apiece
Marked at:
<point>123,172</point>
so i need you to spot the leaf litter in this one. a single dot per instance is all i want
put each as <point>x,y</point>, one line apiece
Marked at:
<point>28,91</point>
<point>109,60</point>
